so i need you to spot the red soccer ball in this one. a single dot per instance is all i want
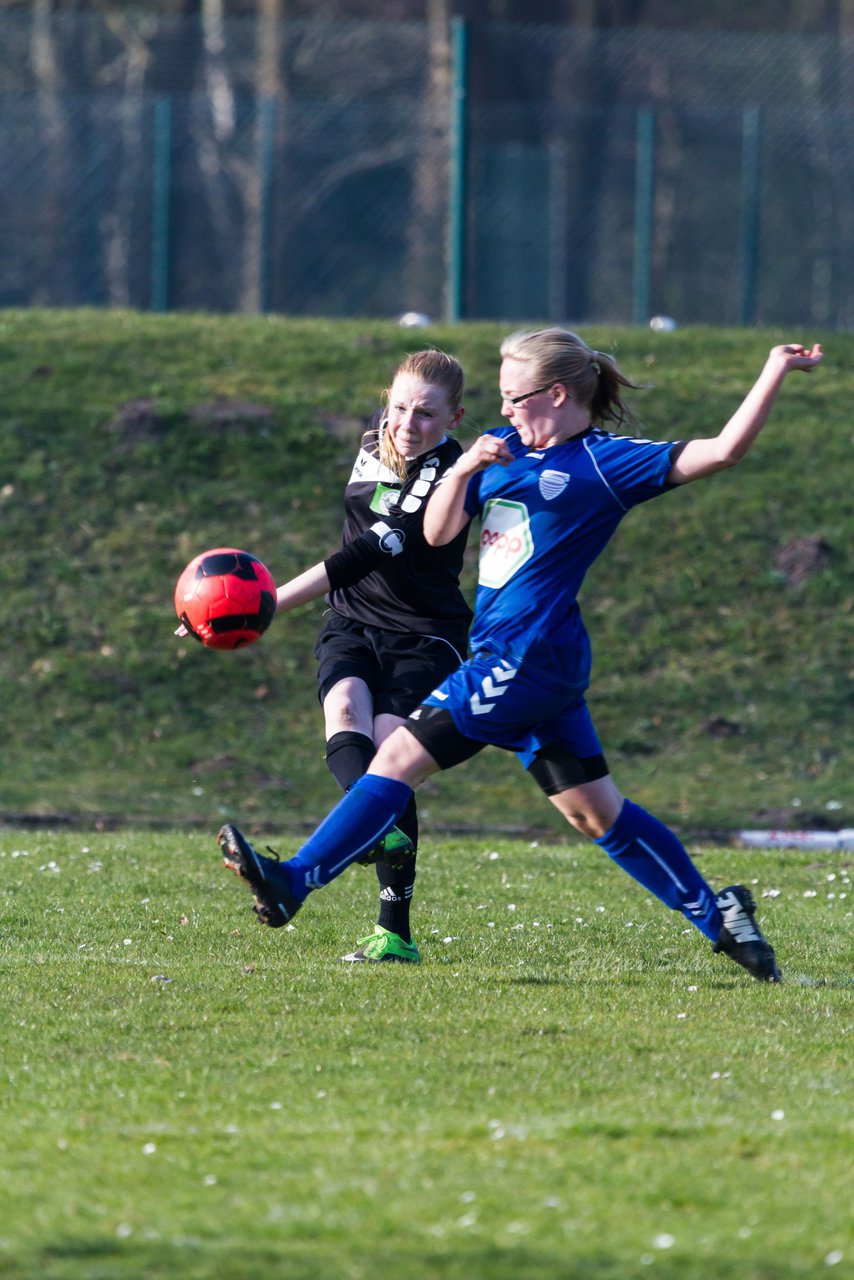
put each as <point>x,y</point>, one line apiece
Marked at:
<point>226,598</point>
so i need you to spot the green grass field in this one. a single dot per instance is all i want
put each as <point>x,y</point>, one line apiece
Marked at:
<point>570,1085</point>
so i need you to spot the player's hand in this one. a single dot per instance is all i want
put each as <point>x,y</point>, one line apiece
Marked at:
<point>486,451</point>
<point>792,355</point>
<point>181,631</point>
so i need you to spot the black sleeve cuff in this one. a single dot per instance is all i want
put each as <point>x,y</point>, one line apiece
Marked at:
<point>353,562</point>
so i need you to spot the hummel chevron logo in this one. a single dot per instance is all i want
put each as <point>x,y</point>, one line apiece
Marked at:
<point>492,690</point>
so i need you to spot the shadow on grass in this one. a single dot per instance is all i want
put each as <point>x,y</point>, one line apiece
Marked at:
<point>318,1259</point>
<point>801,980</point>
<point>539,982</point>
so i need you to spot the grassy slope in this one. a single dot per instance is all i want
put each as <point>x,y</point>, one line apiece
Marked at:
<point>567,1087</point>
<point>104,712</point>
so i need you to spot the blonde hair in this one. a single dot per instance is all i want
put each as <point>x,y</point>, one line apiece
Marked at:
<point>557,355</point>
<point>435,369</point>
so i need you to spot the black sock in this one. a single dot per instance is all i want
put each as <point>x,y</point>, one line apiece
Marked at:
<point>348,756</point>
<point>397,883</point>
<point>395,897</point>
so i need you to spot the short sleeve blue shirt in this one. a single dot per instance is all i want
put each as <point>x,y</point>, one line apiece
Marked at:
<point>545,518</point>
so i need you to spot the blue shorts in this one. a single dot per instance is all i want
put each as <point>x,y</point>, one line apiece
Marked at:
<point>494,703</point>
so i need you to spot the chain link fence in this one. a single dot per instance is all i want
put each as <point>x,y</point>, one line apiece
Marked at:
<point>493,172</point>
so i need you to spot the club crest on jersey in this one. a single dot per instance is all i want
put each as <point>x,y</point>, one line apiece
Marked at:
<point>553,483</point>
<point>383,499</point>
<point>505,541</point>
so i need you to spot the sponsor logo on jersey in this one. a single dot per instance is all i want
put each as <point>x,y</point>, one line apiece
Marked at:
<point>391,540</point>
<point>384,498</point>
<point>553,483</point>
<point>506,542</point>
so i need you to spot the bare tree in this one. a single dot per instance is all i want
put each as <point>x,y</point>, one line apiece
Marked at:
<point>270,93</point>
<point>582,79</point>
<point>233,170</point>
<point>223,172</point>
<point>47,73</point>
<point>217,82</point>
<point>428,215</point>
<point>116,230</point>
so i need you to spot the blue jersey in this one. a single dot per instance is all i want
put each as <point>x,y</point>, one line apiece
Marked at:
<point>545,517</point>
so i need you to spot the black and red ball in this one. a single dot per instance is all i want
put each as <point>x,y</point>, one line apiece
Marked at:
<point>226,598</point>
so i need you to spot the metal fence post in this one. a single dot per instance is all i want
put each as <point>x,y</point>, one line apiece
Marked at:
<point>266,133</point>
<point>160,205</point>
<point>751,145</point>
<point>457,194</point>
<point>558,218</point>
<point>94,291</point>
<point>644,191</point>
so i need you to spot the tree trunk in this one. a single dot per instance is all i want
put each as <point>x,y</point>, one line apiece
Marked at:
<point>428,213</point>
<point>116,223</point>
<point>583,143</point>
<point>57,150</point>
<point>270,92</point>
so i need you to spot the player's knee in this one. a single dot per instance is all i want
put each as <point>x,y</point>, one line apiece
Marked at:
<point>589,822</point>
<point>348,715</point>
<point>402,757</point>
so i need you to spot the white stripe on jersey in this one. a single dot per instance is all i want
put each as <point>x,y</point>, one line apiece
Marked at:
<point>592,458</point>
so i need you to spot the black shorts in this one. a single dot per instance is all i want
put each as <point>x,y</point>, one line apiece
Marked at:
<point>399,667</point>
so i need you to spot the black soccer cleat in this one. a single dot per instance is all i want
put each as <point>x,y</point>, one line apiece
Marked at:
<point>274,905</point>
<point>740,937</point>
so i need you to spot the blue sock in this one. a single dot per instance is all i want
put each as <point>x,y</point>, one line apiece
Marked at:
<point>357,823</point>
<point>652,854</point>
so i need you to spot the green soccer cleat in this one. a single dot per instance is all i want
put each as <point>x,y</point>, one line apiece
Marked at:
<point>395,849</point>
<point>381,946</point>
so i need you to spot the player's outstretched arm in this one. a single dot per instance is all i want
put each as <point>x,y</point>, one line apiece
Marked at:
<point>446,514</point>
<point>700,458</point>
<point>309,585</point>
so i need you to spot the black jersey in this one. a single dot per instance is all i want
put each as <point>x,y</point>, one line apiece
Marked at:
<point>386,574</point>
